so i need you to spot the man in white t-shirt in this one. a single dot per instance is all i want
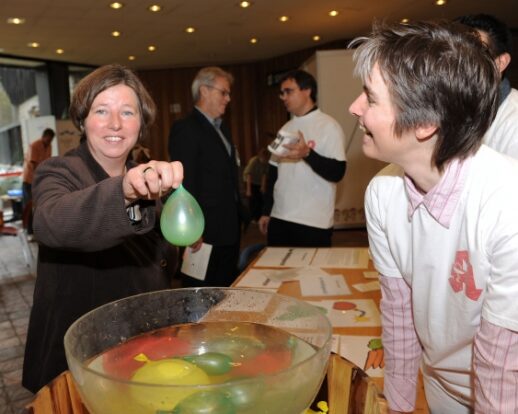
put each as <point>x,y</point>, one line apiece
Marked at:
<point>300,195</point>
<point>441,218</point>
<point>503,134</point>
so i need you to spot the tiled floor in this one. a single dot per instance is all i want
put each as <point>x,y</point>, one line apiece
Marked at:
<point>16,288</point>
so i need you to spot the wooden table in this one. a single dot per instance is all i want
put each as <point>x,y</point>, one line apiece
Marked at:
<point>61,397</point>
<point>352,277</point>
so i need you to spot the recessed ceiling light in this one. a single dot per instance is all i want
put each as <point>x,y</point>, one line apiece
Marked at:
<point>440,2</point>
<point>33,44</point>
<point>245,4</point>
<point>154,8</point>
<point>284,18</point>
<point>60,51</point>
<point>151,48</point>
<point>116,5</point>
<point>116,33</point>
<point>333,13</point>
<point>405,20</point>
<point>253,40</point>
<point>131,57</point>
<point>190,29</point>
<point>16,20</point>
<point>316,38</point>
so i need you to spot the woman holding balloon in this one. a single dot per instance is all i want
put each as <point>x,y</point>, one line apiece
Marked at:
<point>95,217</point>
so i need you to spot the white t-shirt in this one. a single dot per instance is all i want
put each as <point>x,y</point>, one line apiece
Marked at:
<point>503,133</point>
<point>480,246</point>
<point>300,195</point>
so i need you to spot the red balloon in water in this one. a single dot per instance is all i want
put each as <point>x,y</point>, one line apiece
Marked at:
<point>120,361</point>
<point>267,362</point>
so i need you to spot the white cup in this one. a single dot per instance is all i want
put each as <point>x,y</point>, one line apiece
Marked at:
<point>283,137</point>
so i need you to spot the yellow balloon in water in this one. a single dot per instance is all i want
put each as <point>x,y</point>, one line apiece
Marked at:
<point>182,220</point>
<point>174,372</point>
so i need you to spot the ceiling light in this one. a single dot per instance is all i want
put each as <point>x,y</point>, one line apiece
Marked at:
<point>440,2</point>
<point>316,38</point>
<point>154,8</point>
<point>33,44</point>
<point>405,21</point>
<point>60,51</point>
<point>284,18</point>
<point>151,48</point>
<point>333,13</point>
<point>190,29</point>
<point>245,4</point>
<point>116,33</point>
<point>116,5</point>
<point>253,40</point>
<point>16,20</point>
<point>131,57</point>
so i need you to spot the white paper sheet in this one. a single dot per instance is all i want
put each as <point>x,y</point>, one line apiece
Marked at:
<point>368,287</point>
<point>259,278</point>
<point>342,257</point>
<point>323,285</point>
<point>195,264</point>
<point>350,313</point>
<point>285,257</point>
<point>370,275</point>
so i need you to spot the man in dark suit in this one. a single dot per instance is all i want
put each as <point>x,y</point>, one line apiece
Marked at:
<point>204,146</point>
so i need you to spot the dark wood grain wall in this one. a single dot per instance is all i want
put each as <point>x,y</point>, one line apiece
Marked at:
<point>255,112</point>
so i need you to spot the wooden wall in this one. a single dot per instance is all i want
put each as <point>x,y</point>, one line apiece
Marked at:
<point>255,112</point>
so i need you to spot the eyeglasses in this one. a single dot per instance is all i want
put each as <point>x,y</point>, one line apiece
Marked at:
<point>223,92</point>
<point>286,91</point>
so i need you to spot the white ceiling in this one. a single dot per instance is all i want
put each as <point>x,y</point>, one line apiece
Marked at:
<point>223,29</point>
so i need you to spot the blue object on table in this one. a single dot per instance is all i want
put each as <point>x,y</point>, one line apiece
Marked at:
<point>15,192</point>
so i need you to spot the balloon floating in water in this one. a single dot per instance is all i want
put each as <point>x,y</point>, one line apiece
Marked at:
<point>212,363</point>
<point>166,372</point>
<point>182,220</point>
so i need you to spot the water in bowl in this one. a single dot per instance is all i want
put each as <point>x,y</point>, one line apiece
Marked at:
<point>207,367</point>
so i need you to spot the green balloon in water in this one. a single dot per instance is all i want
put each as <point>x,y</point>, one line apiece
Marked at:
<point>213,363</point>
<point>182,220</point>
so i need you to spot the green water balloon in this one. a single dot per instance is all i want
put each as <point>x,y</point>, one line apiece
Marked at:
<point>182,220</point>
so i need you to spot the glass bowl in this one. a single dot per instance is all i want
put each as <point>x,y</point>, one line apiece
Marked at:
<point>200,350</point>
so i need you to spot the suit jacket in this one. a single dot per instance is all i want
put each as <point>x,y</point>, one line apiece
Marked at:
<point>210,175</point>
<point>89,254</point>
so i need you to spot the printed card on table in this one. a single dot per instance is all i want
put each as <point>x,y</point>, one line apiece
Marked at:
<point>368,287</point>
<point>364,351</point>
<point>285,257</point>
<point>343,258</point>
<point>350,313</point>
<point>258,278</point>
<point>323,284</point>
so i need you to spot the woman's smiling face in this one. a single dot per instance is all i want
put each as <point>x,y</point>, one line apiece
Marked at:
<point>113,124</point>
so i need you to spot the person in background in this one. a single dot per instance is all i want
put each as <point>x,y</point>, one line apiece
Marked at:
<point>38,152</point>
<point>202,142</point>
<point>301,190</point>
<point>441,218</point>
<point>503,134</point>
<point>254,176</point>
<point>96,217</point>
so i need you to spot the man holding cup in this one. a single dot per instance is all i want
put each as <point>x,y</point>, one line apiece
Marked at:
<point>308,159</point>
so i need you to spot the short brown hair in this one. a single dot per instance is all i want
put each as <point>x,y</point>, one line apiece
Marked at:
<point>437,73</point>
<point>101,79</point>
